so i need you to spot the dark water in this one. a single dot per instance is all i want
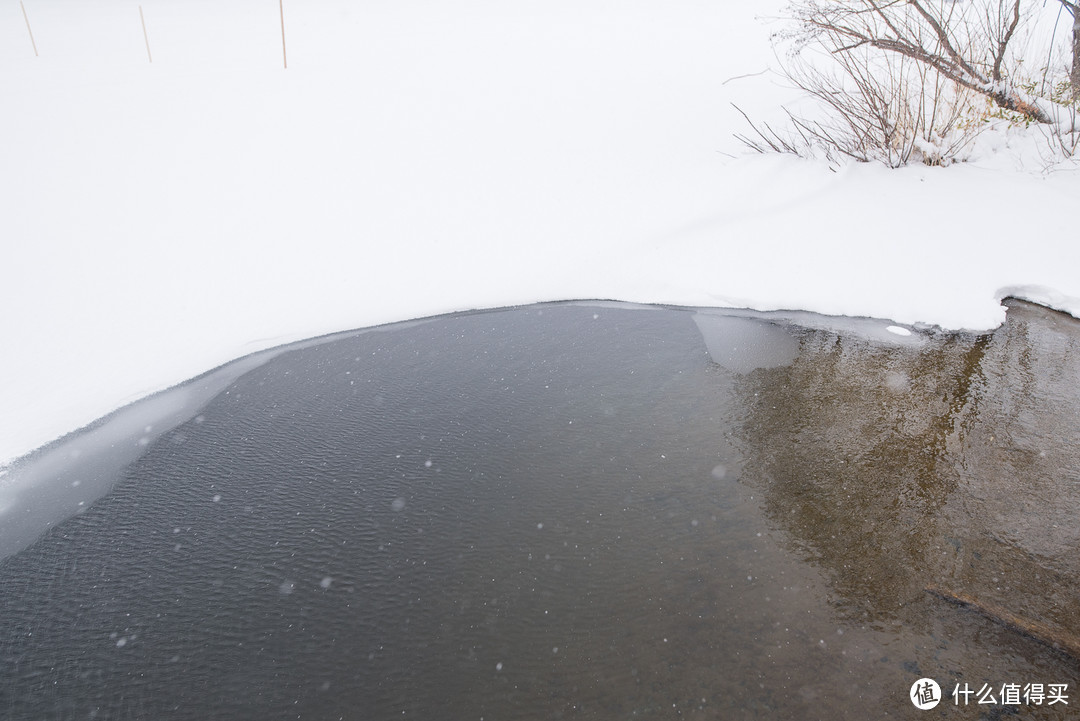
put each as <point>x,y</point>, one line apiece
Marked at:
<point>577,511</point>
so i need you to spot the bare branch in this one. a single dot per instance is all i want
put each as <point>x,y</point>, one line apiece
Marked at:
<point>1003,43</point>
<point>943,38</point>
<point>912,29</point>
<point>899,80</point>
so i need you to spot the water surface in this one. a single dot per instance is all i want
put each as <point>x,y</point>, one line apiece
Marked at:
<point>576,511</point>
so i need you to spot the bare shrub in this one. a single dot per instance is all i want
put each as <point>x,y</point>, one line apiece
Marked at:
<point>900,80</point>
<point>886,109</point>
<point>967,42</point>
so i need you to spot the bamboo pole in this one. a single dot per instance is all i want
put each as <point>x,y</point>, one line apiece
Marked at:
<point>145,36</point>
<point>27,19</point>
<point>281,9</point>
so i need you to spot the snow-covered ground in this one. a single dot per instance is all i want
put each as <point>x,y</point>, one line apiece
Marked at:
<point>158,219</point>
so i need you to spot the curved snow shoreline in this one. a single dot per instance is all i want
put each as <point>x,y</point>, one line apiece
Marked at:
<point>419,158</point>
<point>160,410</point>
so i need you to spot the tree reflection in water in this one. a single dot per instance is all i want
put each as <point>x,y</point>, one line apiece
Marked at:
<point>953,463</point>
<point>573,510</point>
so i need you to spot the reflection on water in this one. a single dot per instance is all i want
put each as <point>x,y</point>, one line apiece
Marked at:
<point>956,465</point>
<point>576,511</point>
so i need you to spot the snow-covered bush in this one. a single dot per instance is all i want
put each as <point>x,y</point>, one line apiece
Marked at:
<point>913,81</point>
<point>875,108</point>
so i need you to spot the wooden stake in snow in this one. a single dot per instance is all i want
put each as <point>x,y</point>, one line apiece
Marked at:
<point>27,19</point>
<point>284,58</point>
<point>145,36</point>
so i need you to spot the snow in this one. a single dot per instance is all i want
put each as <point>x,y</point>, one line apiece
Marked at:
<point>420,157</point>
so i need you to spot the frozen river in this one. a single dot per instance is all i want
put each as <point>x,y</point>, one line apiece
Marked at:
<point>591,511</point>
